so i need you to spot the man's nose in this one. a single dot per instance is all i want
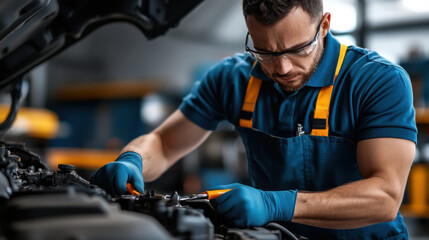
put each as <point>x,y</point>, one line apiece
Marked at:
<point>283,65</point>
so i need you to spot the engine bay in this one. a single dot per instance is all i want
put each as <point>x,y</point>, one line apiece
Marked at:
<point>39,203</point>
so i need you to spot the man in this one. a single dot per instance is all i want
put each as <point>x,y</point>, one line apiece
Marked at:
<point>329,130</point>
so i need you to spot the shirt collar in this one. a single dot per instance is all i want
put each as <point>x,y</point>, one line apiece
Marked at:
<point>259,73</point>
<point>325,71</point>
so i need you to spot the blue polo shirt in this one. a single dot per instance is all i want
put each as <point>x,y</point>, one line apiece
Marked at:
<point>372,97</point>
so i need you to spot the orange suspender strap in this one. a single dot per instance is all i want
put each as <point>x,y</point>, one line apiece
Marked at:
<point>320,126</point>
<point>252,92</point>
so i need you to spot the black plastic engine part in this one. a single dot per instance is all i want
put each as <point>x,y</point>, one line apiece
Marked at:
<point>72,215</point>
<point>182,222</point>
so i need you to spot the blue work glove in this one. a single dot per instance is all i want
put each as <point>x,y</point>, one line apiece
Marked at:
<point>114,176</point>
<point>246,206</point>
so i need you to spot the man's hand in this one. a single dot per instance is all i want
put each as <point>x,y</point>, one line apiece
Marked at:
<point>246,206</point>
<point>114,176</point>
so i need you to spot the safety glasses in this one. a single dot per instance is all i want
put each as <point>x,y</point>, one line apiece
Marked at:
<point>301,51</point>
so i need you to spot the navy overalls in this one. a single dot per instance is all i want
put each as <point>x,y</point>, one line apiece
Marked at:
<point>312,161</point>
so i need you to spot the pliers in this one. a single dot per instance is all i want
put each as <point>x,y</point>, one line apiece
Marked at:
<point>212,194</point>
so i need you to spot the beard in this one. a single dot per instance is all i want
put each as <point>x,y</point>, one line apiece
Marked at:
<point>290,88</point>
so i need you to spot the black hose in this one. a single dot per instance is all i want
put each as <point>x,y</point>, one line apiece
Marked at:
<point>16,96</point>
<point>276,226</point>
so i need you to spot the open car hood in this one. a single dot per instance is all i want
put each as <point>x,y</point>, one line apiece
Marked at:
<point>32,31</point>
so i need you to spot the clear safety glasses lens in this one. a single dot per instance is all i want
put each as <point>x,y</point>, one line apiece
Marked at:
<point>269,57</point>
<point>292,54</point>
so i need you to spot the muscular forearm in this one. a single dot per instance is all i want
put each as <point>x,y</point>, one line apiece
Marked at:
<point>353,205</point>
<point>173,139</point>
<point>150,148</point>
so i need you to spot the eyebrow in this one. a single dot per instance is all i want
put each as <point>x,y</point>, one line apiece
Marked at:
<point>296,46</point>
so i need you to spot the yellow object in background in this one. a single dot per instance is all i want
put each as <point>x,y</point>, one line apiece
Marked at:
<point>418,194</point>
<point>32,122</point>
<point>83,158</point>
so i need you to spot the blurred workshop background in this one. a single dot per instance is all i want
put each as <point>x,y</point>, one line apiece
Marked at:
<point>85,104</point>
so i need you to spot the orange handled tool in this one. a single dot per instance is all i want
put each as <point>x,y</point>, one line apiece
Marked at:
<point>213,194</point>
<point>131,189</point>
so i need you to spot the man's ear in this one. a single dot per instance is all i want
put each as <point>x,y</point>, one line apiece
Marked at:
<point>326,24</point>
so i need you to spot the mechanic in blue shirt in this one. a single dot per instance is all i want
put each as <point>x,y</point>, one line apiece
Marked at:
<point>329,130</point>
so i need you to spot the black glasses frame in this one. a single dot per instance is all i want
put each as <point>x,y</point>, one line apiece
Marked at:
<point>276,54</point>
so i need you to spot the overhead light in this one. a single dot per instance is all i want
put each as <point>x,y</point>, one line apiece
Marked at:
<point>154,109</point>
<point>416,5</point>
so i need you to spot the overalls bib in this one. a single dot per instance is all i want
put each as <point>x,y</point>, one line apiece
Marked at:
<point>312,162</point>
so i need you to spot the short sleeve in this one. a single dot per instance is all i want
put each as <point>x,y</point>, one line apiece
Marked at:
<point>219,94</point>
<point>202,104</point>
<point>386,105</point>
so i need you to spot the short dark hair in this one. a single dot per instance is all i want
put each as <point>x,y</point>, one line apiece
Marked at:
<point>272,11</point>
